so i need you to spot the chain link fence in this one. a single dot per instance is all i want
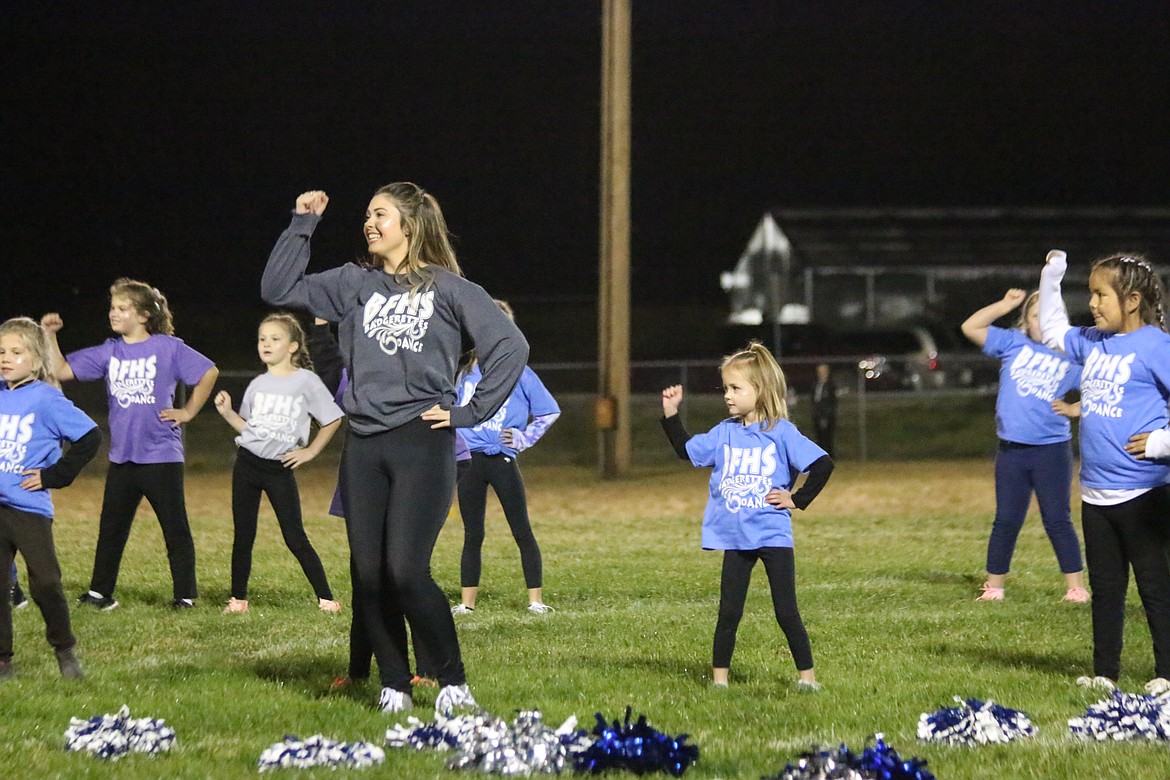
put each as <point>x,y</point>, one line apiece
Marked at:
<point>884,413</point>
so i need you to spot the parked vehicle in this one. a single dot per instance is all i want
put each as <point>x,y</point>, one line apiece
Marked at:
<point>897,358</point>
<point>890,358</point>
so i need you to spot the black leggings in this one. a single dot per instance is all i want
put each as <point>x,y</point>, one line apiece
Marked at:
<point>1133,534</point>
<point>32,535</point>
<point>502,472</point>
<point>360,652</point>
<point>397,489</point>
<point>126,485</point>
<point>780,566</point>
<point>252,476</point>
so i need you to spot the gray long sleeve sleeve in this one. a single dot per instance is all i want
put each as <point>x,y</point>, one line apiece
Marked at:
<point>400,343</point>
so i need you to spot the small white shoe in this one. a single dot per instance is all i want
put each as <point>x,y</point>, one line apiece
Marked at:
<point>1157,686</point>
<point>807,686</point>
<point>1098,683</point>
<point>462,609</point>
<point>392,701</point>
<point>452,696</point>
<point>537,608</point>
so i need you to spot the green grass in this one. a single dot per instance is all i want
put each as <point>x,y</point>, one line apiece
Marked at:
<point>888,560</point>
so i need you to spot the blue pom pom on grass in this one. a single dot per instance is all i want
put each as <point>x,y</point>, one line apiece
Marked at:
<point>110,737</point>
<point>974,722</point>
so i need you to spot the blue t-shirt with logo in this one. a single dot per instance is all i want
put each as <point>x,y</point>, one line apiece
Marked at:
<point>530,398</point>
<point>747,463</point>
<point>1031,377</point>
<point>1125,384</point>
<point>34,419</point>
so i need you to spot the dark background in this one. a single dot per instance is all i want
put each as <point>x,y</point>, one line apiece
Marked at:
<point>168,141</point>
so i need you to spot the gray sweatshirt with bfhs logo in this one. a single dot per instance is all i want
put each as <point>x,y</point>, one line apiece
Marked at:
<point>401,350</point>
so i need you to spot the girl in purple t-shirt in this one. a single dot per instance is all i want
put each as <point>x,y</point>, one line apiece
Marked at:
<point>273,423</point>
<point>142,366</point>
<point>756,455</point>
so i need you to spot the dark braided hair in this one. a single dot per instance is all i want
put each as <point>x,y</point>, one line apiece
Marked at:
<point>1134,273</point>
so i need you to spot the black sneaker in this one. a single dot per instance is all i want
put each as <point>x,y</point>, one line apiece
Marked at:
<point>68,664</point>
<point>19,600</point>
<point>104,603</point>
<point>182,604</point>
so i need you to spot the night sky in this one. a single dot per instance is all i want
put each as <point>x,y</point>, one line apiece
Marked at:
<point>167,141</point>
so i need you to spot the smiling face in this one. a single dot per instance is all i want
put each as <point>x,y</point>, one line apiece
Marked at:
<point>1110,312</point>
<point>274,345</point>
<point>125,319</point>
<point>739,395</point>
<point>383,232</point>
<point>16,362</point>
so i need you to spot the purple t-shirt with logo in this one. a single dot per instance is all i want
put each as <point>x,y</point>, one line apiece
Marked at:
<point>140,383</point>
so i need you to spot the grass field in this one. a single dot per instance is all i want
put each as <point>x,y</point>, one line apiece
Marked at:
<point>889,560</point>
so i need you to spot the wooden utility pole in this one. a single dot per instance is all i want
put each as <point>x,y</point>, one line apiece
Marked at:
<point>613,310</point>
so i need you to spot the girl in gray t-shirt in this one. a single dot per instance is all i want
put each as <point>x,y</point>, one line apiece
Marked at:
<point>273,423</point>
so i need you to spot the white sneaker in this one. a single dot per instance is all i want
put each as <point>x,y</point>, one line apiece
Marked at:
<point>453,696</point>
<point>392,701</point>
<point>1099,683</point>
<point>537,608</point>
<point>1157,686</point>
<point>462,609</point>
<point>807,686</point>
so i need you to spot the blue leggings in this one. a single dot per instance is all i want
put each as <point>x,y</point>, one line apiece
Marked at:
<point>1020,470</point>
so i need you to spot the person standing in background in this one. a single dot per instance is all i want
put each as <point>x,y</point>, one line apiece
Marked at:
<point>824,409</point>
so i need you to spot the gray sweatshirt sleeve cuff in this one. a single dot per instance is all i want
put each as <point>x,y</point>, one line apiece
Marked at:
<point>303,224</point>
<point>461,417</point>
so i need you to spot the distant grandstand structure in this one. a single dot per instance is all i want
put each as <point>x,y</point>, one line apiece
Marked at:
<point>877,266</point>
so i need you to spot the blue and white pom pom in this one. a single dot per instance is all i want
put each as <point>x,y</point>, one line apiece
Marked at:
<point>488,744</point>
<point>637,748</point>
<point>112,736</point>
<point>877,762</point>
<point>441,734</point>
<point>317,750</point>
<point>1125,716</point>
<point>974,722</point>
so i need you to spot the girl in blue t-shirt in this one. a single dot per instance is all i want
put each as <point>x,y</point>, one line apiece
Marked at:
<point>35,419</point>
<point>494,444</point>
<point>1035,442</point>
<point>756,455</point>
<point>1125,386</point>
